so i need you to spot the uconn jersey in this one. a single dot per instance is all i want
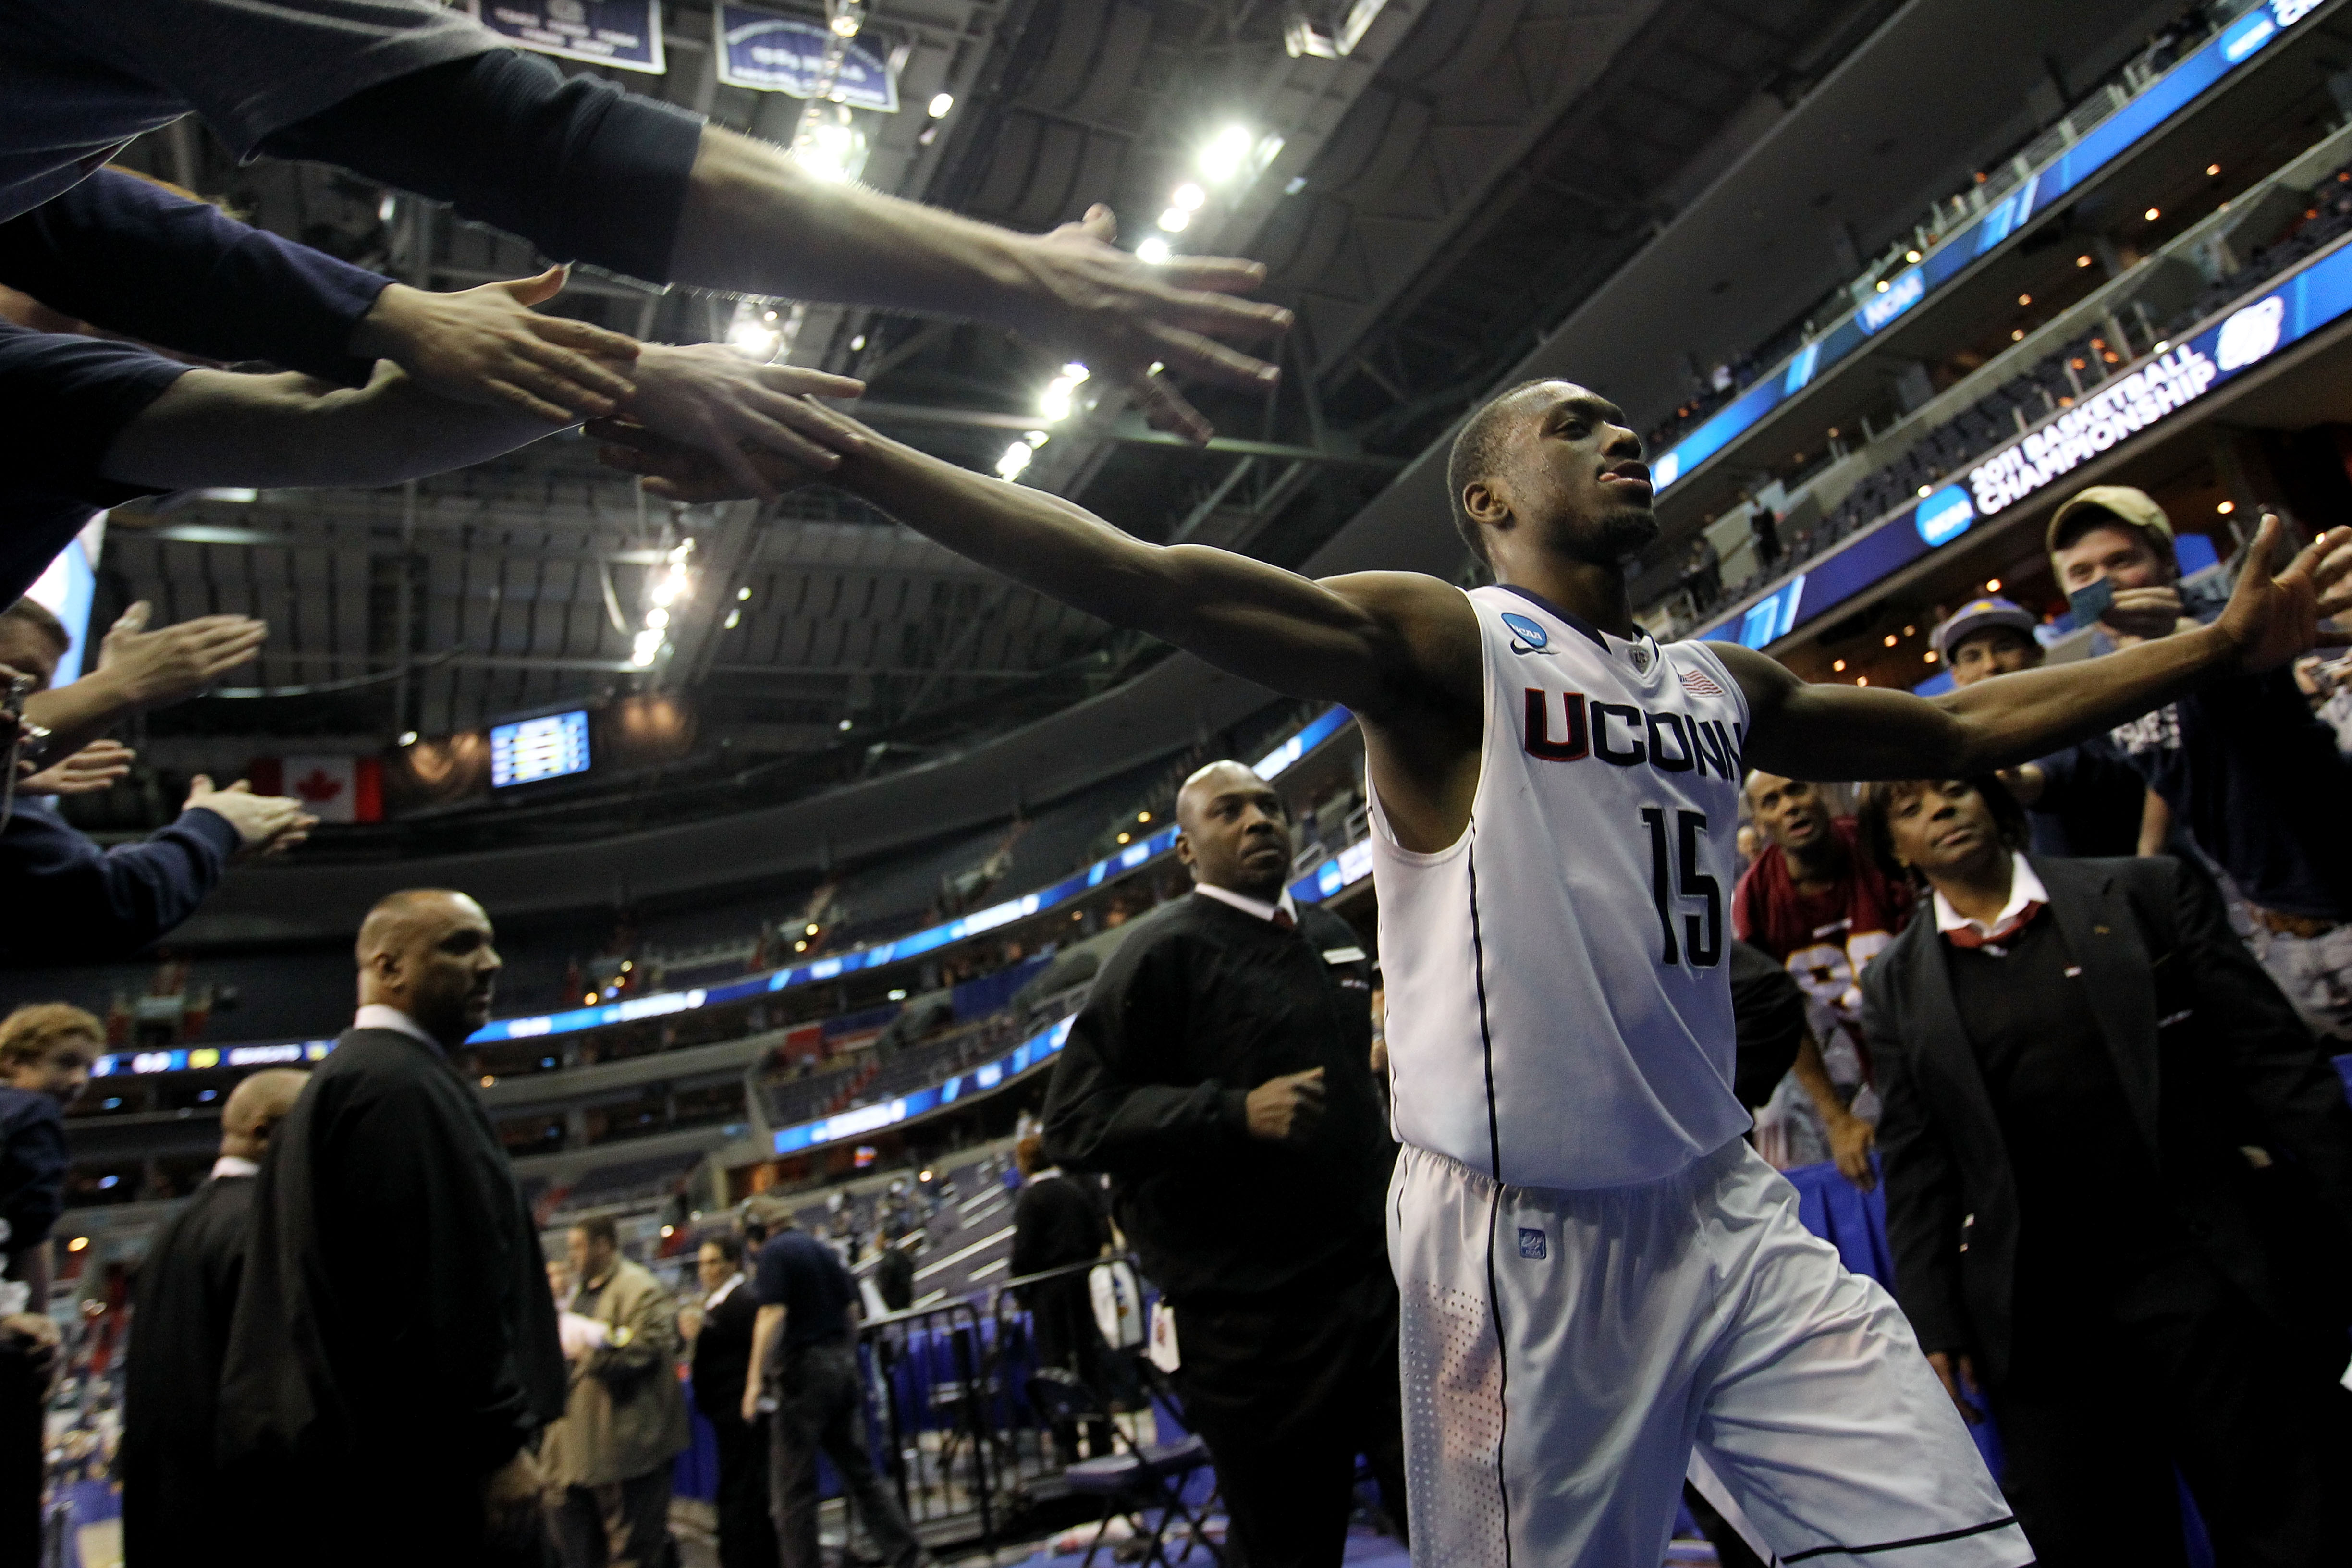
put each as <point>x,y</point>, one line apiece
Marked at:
<point>1558,1008</point>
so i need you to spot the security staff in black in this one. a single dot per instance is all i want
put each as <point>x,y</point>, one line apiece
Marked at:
<point>1221,1073</point>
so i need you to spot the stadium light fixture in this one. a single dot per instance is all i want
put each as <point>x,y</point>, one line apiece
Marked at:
<point>408,737</point>
<point>1016,458</point>
<point>1188,196</point>
<point>1055,403</point>
<point>941,103</point>
<point>1174,220</point>
<point>1153,250</point>
<point>1226,154</point>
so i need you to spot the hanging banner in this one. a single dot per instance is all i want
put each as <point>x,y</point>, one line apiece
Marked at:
<point>624,33</point>
<point>769,53</point>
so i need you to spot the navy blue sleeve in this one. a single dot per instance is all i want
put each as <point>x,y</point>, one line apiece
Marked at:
<point>63,896</point>
<point>771,1279</point>
<point>32,1167</point>
<point>580,168</point>
<point>63,400</point>
<point>124,253</point>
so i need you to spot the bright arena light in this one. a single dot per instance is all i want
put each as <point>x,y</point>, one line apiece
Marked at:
<point>647,645</point>
<point>1174,219</point>
<point>752,339</point>
<point>1054,405</point>
<point>1188,196</point>
<point>941,103</point>
<point>1226,154</point>
<point>1016,458</point>
<point>1153,250</point>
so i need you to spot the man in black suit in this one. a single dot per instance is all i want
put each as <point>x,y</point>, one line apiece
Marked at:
<point>394,1348</point>
<point>722,1356</point>
<point>1221,1073</point>
<point>1056,1221</point>
<point>2119,1190</point>
<point>176,1503</point>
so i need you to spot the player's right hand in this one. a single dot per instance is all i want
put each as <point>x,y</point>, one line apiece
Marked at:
<point>1288,1107</point>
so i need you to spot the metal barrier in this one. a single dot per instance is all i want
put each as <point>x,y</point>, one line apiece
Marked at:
<point>955,1432</point>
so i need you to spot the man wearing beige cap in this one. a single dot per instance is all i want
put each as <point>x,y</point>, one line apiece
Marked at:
<point>2239,762</point>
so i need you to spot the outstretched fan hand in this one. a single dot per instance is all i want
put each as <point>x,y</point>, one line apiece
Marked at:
<point>2274,617</point>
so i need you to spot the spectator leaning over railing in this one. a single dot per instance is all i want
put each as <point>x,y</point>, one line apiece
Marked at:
<point>2119,1189</point>
<point>2241,762</point>
<point>61,896</point>
<point>45,1051</point>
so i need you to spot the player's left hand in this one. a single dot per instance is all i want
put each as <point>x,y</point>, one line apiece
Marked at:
<point>708,396</point>
<point>2270,618</point>
<point>676,471</point>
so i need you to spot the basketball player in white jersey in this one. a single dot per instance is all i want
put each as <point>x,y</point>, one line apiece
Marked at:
<point>1597,1275</point>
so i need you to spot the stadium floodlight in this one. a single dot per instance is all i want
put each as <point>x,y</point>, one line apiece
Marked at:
<point>1174,219</point>
<point>848,16</point>
<point>1226,154</point>
<point>1016,458</point>
<point>1054,405</point>
<point>753,339</point>
<point>1188,196</point>
<point>1153,250</point>
<point>658,620</point>
<point>941,103</point>
<point>647,647</point>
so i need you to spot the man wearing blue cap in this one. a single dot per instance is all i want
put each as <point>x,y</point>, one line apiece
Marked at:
<point>2084,801</point>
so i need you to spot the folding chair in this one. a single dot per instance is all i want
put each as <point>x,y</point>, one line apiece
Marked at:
<point>1139,1479</point>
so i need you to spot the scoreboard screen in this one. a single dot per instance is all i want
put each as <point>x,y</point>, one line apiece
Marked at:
<point>530,750</point>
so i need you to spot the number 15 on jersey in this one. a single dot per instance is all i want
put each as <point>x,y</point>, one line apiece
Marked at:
<point>1676,876</point>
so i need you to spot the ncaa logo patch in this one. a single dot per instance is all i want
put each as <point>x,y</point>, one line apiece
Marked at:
<point>1531,1243</point>
<point>1527,631</point>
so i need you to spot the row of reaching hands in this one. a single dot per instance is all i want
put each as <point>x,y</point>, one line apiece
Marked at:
<point>702,423</point>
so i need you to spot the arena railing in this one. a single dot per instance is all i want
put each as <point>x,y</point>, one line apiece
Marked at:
<point>2040,176</point>
<point>1766,608</point>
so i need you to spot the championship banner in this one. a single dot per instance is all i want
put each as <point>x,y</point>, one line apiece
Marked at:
<point>624,33</point>
<point>769,53</point>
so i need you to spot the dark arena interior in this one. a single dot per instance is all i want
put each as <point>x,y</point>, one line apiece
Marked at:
<point>1190,781</point>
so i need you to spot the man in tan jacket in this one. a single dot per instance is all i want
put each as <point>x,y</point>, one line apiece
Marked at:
<point>607,1462</point>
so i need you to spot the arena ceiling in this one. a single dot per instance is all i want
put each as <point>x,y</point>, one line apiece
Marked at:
<point>1431,202</point>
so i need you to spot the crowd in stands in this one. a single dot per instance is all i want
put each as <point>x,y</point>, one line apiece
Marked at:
<point>2055,381</point>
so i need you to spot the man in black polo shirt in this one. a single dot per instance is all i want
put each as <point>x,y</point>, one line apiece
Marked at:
<point>803,1347</point>
<point>2239,762</point>
<point>1221,1073</point>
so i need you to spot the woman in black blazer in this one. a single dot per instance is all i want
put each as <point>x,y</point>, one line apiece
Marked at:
<point>2119,1189</point>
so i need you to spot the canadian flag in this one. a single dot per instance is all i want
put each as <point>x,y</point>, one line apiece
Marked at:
<point>333,789</point>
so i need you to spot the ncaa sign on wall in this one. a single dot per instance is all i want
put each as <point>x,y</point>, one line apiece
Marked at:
<point>1944,516</point>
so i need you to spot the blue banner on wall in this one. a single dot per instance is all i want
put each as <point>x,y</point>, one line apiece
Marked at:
<point>2139,399</point>
<point>2048,186</point>
<point>769,53</point>
<point>624,33</point>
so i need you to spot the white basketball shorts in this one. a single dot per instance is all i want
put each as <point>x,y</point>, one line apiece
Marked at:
<point>1565,1352</point>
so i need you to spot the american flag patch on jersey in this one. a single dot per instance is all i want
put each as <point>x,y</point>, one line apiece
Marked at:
<point>1700,684</point>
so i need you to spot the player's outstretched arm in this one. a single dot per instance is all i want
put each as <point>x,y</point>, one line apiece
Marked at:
<point>1824,731</point>
<point>1374,641</point>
